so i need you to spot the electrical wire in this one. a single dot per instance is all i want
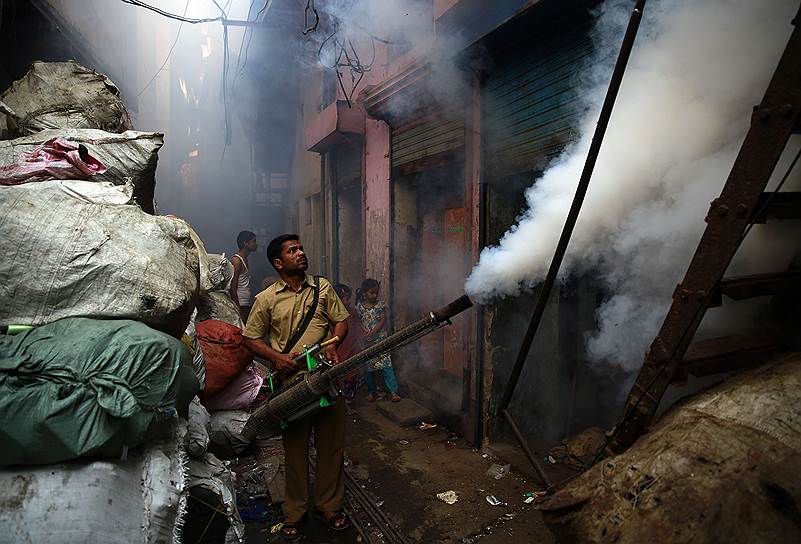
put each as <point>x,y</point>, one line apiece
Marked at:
<point>247,34</point>
<point>264,9</point>
<point>306,27</point>
<point>169,54</point>
<point>181,18</point>
<point>343,47</point>
<point>226,112</point>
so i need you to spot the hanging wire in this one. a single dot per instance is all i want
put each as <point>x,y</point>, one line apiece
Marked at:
<point>226,112</point>
<point>181,18</point>
<point>347,57</point>
<point>249,32</point>
<point>169,54</point>
<point>310,7</point>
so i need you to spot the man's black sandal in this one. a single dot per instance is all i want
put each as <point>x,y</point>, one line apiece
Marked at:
<point>337,521</point>
<point>291,525</point>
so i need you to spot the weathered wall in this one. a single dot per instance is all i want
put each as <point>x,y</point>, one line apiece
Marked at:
<point>377,200</point>
<point>306,198</point>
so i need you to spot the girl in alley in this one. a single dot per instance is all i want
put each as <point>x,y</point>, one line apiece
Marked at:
<point>353,342</point>
<point>374,316</point>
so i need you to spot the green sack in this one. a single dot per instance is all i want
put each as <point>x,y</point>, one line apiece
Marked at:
<point>82,386</point>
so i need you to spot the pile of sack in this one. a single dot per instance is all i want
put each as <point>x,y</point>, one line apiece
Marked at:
<point>113,320</point>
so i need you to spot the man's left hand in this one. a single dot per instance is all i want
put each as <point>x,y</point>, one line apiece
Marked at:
<point>331,354</point>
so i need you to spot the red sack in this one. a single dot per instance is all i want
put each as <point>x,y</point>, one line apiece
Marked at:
<point>224,351</point>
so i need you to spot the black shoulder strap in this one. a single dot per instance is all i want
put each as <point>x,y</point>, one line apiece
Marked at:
<point>306,319</point>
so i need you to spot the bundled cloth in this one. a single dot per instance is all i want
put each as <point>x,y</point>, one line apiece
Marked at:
<point>138,499</point>
<point>129,158</point>
<point>80,387</point>
<point>56,158</point>
<point>79,248</point>
<point>63,95</point>
<point>240,393</point>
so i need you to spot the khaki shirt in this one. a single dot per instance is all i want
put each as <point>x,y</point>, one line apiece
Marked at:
<point>278,311</point>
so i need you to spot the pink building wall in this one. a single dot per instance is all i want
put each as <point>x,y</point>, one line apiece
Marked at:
<point>377,191</point>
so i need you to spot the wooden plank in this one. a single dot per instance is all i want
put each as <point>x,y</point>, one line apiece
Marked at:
<point>727,353</point>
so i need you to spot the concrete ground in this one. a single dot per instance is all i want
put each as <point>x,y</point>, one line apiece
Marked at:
<point>404,468</point>
<point>408,467</point>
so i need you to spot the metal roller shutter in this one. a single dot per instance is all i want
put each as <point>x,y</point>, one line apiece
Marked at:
<point>530,100</point>
<point>427,137</point>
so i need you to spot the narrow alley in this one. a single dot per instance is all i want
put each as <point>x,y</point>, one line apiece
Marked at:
<point>400,271</point>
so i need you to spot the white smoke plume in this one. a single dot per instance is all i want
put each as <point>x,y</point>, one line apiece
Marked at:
<point>684,106</point>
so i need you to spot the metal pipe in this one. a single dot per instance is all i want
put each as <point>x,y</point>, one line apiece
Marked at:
<point>532,459</point>
<point>578,200</point>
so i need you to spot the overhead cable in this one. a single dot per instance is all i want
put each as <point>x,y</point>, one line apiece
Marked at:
<point>181,18</point>
<point>169,54</point>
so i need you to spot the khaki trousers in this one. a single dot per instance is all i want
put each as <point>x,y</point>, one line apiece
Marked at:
<point>328,425</point>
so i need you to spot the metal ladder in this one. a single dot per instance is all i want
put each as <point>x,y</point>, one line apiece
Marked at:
<point>741,203</point>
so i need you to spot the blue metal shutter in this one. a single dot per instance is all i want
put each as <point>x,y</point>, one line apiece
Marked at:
<point>530,100</point>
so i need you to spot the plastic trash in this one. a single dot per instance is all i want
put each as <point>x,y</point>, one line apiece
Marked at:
<point>498,471</point>
<point>495,501</point>
<point>531,496</point>
<point>449,496</point>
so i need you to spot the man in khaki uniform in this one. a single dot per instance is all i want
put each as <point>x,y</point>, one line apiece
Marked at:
<point>278,313</point>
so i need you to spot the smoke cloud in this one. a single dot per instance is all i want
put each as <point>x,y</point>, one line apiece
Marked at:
<point>683,109</point>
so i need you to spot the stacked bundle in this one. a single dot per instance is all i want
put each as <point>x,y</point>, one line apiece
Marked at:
<point>96,292</point>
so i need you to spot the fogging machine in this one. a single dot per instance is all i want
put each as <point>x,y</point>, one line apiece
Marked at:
<point>318,387</point>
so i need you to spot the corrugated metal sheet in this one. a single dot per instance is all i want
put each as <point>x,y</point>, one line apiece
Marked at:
<point>426,138</point>
<point>530,99</point>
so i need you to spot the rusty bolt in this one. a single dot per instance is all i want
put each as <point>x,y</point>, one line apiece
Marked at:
<point>742,210</point>
<point>786,110</point>
<point>700,295</point>
<point>722,210</point>
<point>764,114</point>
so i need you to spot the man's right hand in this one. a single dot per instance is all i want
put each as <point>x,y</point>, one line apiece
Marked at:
<point>285,363</point>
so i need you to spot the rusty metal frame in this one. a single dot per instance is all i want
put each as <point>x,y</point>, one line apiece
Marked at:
<point>729,215</point>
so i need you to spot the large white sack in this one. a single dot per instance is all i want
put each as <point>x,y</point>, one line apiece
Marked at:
<point>73,248</point>
<point>220,306</point>
<point>225,433</point>
<point>197,435</point>
<point>139,500</point>
<point>221,272</point>
<point>212,474</point>
<point>130,157</point>
<point>65,95</point>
